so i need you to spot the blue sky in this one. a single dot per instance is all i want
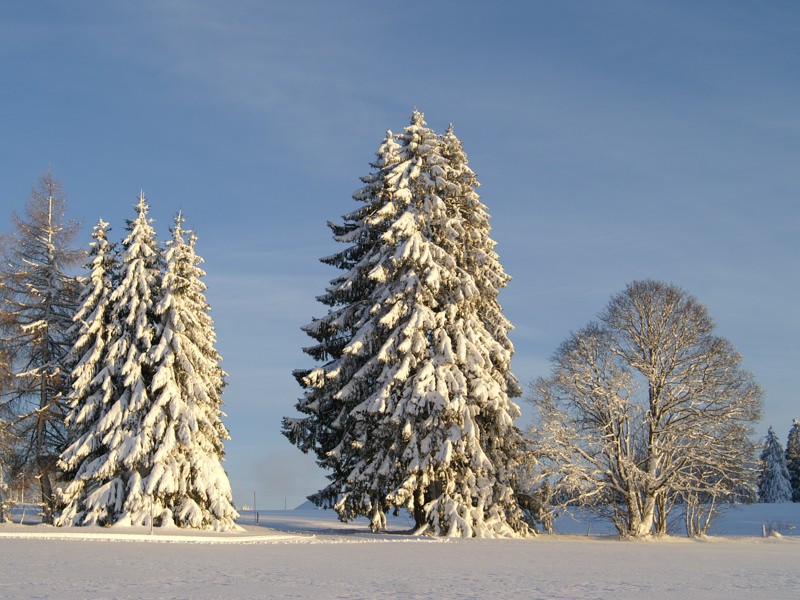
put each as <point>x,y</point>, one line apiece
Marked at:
<point>614,141</point>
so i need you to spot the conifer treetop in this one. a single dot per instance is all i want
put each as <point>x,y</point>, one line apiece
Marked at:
<point>793,459</point>
<point>774,483</point>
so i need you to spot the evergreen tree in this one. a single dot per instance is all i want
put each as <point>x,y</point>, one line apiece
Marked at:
<point>793,459</point>
<point>38,300</point>
<point>412,409</point>
<point>146,405</point>
<point>91,380</point>
<point>328,419</point>
<point>187,477</point>
<point>773,479</point>
<point>119,443</point>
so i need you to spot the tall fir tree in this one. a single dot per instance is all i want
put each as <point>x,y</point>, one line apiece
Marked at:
<point>120,445</point>
<point>412,409</point>
<point>328,421</point>
<point>145,423</point>
<point>793,459</point>
<point>91,387</point>
<point>187,478</point>
<point>38,298</point>
<point>773,478</point>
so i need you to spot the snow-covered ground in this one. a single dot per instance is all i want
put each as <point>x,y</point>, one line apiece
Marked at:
<point>309,554</point>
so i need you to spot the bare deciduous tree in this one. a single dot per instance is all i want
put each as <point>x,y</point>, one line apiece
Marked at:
<point>5,423</point>
<point>38,301</point>
<point>646,408</point>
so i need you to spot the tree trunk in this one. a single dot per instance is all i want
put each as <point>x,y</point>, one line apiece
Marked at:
<point>42,460</point>
<point>420,516</point>
<point>47,498</point>
<point>641,513</point>
<point>662,511</point>
<point>644,526</point>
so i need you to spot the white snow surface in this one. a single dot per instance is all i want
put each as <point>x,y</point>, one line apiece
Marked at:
<point>309,554</point>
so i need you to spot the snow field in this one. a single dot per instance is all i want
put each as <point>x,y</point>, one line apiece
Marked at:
<point>308,554</point>
<point>404,568</point>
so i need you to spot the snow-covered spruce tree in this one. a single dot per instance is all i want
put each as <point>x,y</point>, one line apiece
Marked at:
<point>120,447</point>
<point>186,479</point>
<point>165,465</point>
<point>328,419</point>
<point>38,299</point>
<point>793,459</point>
<point>412,409</point>
<point>774,484</point>
<point>91,388</point>
<point>479,334</point>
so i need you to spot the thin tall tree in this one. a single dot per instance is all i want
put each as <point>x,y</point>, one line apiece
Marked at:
<point>39,297</point>
<point>186,478</point>
<point>112,489</point>
<point>793,459</point>
<point>91,381</point>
